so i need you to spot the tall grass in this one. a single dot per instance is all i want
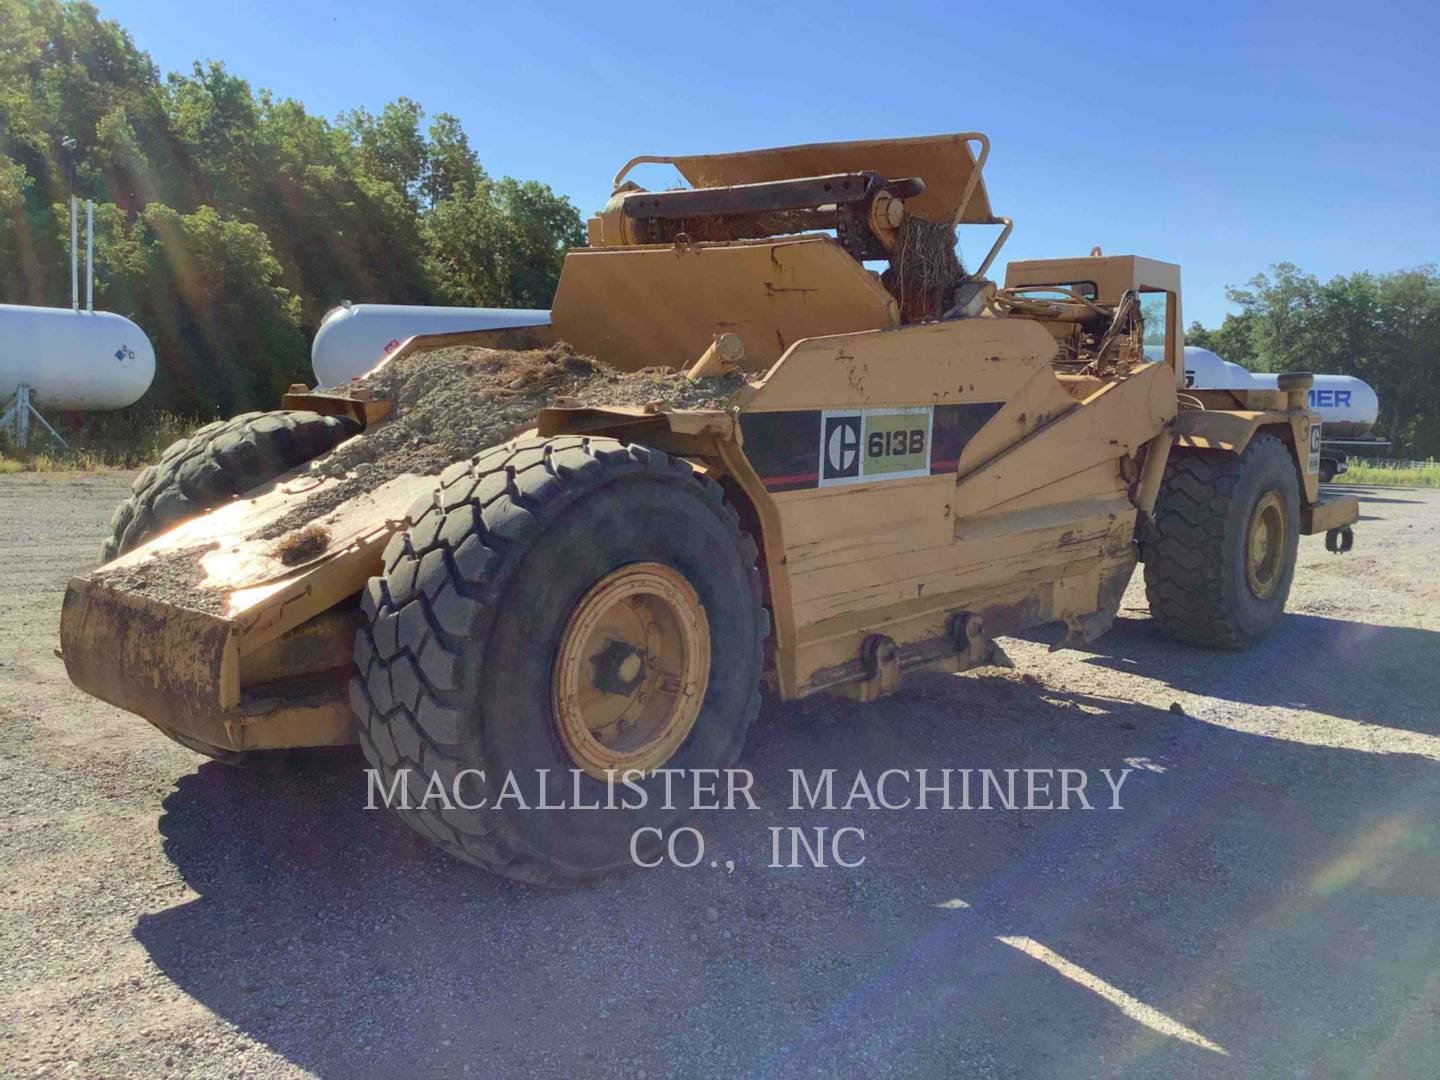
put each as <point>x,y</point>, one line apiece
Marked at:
<point>1392,474</point>
<point>124,439</point>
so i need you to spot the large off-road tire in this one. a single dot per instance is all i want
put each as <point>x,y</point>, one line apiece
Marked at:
<point>480,652</point>
<point>1220,549</point>
<point>217,463</point>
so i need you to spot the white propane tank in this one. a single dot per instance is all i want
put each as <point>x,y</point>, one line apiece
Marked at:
<point>1347,406</point>
<point>353,338</point>
<point>88,361</point>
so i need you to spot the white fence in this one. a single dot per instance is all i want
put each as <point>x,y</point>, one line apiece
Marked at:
<point>1390,463</point>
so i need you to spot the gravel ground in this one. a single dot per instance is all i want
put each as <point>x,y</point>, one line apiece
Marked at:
<point>1264,904</point>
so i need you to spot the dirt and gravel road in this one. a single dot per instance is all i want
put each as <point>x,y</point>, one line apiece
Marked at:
<point>1264,903</point>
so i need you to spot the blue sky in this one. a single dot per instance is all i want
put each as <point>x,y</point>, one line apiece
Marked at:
<point>1220,136</point>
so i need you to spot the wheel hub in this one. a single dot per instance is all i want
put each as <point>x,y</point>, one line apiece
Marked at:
<point>631,670</point>
<point>1265,543</point>
<point>619,668</point>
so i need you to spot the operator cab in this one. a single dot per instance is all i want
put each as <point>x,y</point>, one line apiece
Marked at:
<point>1100,309</point>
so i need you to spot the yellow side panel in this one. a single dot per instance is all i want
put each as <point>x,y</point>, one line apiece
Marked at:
<point>849,547</point>
<point>837,550</point>
<point>986,558</point>
<point>1030,523</point>
<point>1036,403</point>
<point>663,305</point>
<point>964,360</point>
<point>1111,423</point>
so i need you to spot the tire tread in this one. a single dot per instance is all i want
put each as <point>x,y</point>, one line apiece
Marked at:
<point>1185,546</point>
<point>220,461</point>
<point>514,493</point>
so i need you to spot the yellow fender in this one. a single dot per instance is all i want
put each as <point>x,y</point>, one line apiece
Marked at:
<point>1232,430</point>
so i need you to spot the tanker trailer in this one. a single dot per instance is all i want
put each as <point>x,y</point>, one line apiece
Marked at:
<point>354,338</point>
<point>1348,406</point>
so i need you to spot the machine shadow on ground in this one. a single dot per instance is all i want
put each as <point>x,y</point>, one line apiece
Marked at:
<point>1315,663</point>
<point>340,940</point>
<point>1369,494</point>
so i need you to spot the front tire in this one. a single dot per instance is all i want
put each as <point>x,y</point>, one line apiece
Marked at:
<point>1220,554</point>
<point>219,462</point>
<point>548,591</point>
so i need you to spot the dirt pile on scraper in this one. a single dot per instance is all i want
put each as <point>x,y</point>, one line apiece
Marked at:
<point>452,403</point>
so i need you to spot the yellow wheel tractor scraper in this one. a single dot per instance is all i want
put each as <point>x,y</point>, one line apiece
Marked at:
<point>915,462</point>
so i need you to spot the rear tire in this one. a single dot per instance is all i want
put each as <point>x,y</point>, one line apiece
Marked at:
<point>1220,551</point>
<point>217,463</point>
<point>461,661</point>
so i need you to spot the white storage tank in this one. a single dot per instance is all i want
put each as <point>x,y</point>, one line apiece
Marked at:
<point>87,361</point>
<point>353,338</point>
<point>1347,406</point>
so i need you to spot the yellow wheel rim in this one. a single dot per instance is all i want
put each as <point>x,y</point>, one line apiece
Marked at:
<point>1265,543</point>
<point>631,670</point>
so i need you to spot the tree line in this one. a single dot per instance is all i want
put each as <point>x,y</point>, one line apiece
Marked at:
<point>1383,328</point>
<point>228,221</point>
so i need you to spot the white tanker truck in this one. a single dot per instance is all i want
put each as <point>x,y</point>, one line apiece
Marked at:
<point>1347,406</point>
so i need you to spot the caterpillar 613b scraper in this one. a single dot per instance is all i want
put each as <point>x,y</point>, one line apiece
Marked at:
<point>917,461</point>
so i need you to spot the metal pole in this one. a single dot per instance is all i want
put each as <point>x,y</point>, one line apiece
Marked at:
<point>11,418</point>
<point>74,258</point>
<point>43,422</point>
<point>89,254</point>
<point>19,414</point>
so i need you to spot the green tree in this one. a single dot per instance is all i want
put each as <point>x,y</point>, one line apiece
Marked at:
<point>229,221</point>
<point>1405,364</point>
<point>207,291</point>
<point>213,115</point>
<point>13,183</point>
<point>65,73</point>
<point>453,167</point>
<point>1282,306</point>
<point>338,231</point>
<point>1232,341</point>
<point>392,147</point>
<point>502,243</point>
<point>1382,328</point>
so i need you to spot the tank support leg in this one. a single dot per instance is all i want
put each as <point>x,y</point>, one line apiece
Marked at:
<point>18,415</point>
